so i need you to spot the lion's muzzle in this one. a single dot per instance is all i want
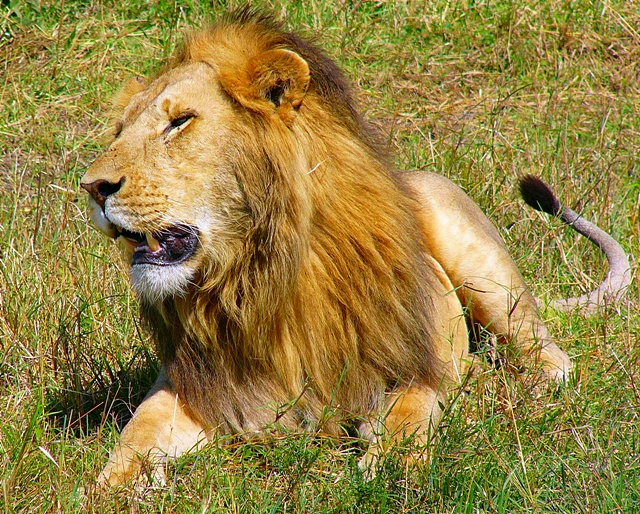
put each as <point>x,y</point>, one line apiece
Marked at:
<point>172,245</point>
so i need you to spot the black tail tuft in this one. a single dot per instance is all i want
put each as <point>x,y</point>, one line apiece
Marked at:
<point>538,195</point>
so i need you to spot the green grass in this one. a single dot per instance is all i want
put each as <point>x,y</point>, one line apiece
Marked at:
<point>479,91</point>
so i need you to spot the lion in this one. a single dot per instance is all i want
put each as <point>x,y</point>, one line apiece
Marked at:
<point>291,277</point>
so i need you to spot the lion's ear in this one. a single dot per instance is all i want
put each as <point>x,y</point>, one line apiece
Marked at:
<point>123,97</point>
<point>274,81</point>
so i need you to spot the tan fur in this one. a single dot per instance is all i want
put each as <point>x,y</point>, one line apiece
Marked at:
<point>321,278</point>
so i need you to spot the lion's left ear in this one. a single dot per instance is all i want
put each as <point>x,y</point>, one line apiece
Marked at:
<point>131,87</point>
<point>272,82</point>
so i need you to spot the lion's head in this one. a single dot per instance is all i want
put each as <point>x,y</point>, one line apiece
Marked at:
<point>204,152</point>
<point>264,229</point>
<point>171,186</point>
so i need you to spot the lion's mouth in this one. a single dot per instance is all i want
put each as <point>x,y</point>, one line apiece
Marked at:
<point>172,245</point>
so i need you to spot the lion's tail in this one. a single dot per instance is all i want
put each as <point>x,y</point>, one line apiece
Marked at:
<point>539,196</point>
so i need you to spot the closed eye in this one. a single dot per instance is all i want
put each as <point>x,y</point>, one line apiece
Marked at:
<point>179,123</point>
<point>181,120</point>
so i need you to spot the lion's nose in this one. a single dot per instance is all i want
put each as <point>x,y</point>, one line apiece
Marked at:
<point>101,189</point>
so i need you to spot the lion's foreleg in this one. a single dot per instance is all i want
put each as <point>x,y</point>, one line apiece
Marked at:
<point>160,428</point>
<point>412,413</point>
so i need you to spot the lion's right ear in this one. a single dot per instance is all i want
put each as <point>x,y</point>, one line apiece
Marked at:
<point>123,97</point>
<point>271,82</point>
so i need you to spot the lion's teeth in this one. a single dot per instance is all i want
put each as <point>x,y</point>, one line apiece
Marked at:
<point>152,243</point>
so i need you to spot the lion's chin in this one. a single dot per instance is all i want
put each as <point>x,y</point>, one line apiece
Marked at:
<point>154,283</point>
<point>162,262</point>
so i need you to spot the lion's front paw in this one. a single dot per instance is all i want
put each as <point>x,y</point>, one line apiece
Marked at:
<point>126,466</point>
<point>369,462</point>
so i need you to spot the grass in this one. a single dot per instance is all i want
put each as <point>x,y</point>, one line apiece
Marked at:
<point>479,91</point>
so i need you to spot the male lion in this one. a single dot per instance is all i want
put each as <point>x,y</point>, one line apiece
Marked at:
<point>281,264</point>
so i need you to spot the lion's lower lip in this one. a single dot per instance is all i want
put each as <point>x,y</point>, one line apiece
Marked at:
<point>165,248</point>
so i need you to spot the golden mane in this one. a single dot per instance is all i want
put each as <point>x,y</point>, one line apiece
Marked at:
<point>327,300</point>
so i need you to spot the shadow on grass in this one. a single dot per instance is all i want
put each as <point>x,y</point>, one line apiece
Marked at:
<point>91,390</point>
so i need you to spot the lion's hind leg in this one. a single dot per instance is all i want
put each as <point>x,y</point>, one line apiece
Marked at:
<point>466,244</point>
